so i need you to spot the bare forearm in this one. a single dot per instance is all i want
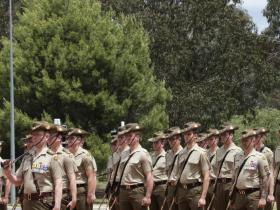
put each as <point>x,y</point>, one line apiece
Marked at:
<point>149,184</point>
<point>205,185</point>
<point>264,187</point>
<point>91,184</point>
<point>8,188</point>
<point>58,192</point>
<point>73,186</point>
<point>271,183</point>
<point>14,180</point>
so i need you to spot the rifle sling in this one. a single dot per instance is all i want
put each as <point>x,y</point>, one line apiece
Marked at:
<point>157,161</point>
<point>125,164</point>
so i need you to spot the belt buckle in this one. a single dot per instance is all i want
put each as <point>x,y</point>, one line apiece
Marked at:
<point>127,187</point>
<point>29,196</point>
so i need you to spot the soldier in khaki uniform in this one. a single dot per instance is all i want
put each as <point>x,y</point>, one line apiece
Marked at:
<point>260,147</point>
<point>112,166</point>
<point>136,179</point>
<point>5,186</point>
<point>28,151</point>
<point>174,140</point>
<point>212,140</point>
<point>66,160</point>
<point>40,173</point>
<point>251,174</point>
<point>224,161</point>
<point>159,171</point>
<point>276,173</point>
<point>86,175</point>
<point>191,172</point>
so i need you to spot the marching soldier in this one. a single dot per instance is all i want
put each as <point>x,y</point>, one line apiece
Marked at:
<point>119,146</point>
<point>136,179</point>
<point>40,173</point>
<point>86,175</point>
<point>224,163</point>
<point>66,160</point>
<point>159,171</point>
<point>277,174</point>
<point>260,147</point>
<point>191,172</point>
<point>251,176</point>
<point>114,157</point>
<point>28,149</point>
<point>5,186</point>
<point>174,140</point>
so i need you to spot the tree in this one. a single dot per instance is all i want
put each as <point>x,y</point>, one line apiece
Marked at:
<point>268,118</point>
<point>207,52</point>
<point>87,67</point>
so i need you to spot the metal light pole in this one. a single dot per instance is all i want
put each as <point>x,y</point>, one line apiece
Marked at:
<point>12,125</point>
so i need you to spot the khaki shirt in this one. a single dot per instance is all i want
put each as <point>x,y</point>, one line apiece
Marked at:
<point>254,170</point>
<point>212,159</point>
<point>159,166</point>
<point>269,155</point>
<point>170,161</point>
<point>138,165</point>
<point>112,164</point>
<point>123,157</point>
<point>228,164</point>
<point>277,162</point>
<point>67,163</point>
<point>84,161</point>
<point>45,168</point>
<point>197,164</point>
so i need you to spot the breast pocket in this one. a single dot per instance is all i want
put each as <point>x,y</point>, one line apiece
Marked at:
<point>194,161</point>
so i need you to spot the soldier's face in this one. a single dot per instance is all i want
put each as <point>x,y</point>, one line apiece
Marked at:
<point>248,143</point>
<point>174,141</point>
<point>39,137</point>
<point>189,137</point>
<point>121,140</point>
<point>73,141</point>
<point>114,146</point>
<point>225,137</point>
<point>211,141</point>
<point>53,138</point>
<point>157,145</point>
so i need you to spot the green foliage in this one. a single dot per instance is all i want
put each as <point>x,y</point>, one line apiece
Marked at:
<point>272,13</point>
<point>22,124</point>
<point>268,118</point>
<point>89,68</point>
<point>209,54</point>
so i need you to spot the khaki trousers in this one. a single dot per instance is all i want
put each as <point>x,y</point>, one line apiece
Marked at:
<point>36,205</point>
<point>130,199</point>
<point>222,195</point>
<point>277,196</point>
<point>247,202</point>
<point>157,197</point>
<point>3,207</point>
<point>82,199</point>
<point>169,198</point>
<point>188,198</point>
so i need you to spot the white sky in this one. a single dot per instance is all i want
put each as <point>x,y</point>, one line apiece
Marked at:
<point>255,8</point>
